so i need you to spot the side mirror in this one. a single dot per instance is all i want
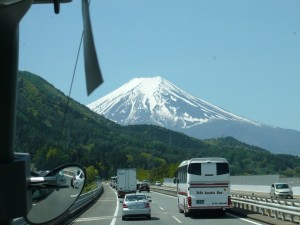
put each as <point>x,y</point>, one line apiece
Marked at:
<point>55,193</point>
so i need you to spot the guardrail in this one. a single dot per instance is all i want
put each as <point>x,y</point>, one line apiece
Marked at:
<point>279,209</point>
<point>82,202</point>
<point>165,190</point>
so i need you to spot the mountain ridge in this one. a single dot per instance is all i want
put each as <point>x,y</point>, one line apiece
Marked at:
<point>159,102</point>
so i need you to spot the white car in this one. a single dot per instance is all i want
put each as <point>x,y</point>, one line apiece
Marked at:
<point>157,183</point>
<point>136,205</point>
<point>281,190</point>
<point>78,179</point>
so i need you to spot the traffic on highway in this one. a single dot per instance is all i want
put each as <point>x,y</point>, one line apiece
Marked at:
<point>164,210</point>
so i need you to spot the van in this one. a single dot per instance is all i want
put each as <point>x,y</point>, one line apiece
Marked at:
<point>281,190</point>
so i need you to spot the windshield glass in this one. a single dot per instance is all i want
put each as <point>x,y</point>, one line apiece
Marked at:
<point>182,79</point>
<point>135,198</point>
<point>194,168</point>
<point>282,186</point>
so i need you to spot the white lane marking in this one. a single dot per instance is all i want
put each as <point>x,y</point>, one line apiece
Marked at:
<point>246,220</point>
<point>92,219</point>
<point>73,196</point>
<point>162,208</point>
<point>116,212</point>
<point>176,219</point>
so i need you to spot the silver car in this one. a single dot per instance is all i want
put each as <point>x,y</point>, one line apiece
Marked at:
<point>136,205</point>
<point>281,190</point>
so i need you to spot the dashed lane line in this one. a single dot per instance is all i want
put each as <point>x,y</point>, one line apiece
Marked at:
<point>174,217</point>
<point>92,219</point>
<point>246,220</point>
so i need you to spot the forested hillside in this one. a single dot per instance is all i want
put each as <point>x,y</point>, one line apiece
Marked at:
<point>55,134</point>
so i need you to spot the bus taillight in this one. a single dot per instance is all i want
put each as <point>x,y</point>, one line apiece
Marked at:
<point>189,201</point>
<point>229,200</point>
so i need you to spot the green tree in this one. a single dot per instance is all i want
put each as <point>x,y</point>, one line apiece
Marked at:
<point>91,173</point>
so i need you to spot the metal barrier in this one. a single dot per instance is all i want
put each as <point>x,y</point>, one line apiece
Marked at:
<point>165,190</point>
<point>279,209</point>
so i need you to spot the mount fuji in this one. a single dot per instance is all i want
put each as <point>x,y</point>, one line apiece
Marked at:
<point>156,101</point>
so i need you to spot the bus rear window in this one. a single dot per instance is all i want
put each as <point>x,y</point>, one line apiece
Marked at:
<point>222,168</point>
<point>195,168</point>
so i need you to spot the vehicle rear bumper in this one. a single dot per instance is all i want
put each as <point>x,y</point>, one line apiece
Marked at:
<point>136,212</point>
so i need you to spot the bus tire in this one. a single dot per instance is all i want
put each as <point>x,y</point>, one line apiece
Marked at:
<point>186,214</point>
<point>222,213</point>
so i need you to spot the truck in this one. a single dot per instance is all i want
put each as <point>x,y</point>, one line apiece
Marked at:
<point>126,181</point>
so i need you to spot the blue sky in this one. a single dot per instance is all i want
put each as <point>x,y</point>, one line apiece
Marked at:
<point>243,55</point>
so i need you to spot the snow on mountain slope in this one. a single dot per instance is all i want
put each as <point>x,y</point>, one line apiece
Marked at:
<point>157,101</point>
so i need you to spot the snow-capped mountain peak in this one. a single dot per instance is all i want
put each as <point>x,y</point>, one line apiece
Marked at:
<point>157,101</point>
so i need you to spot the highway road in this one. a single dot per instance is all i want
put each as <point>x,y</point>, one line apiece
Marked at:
<point>108,211</point>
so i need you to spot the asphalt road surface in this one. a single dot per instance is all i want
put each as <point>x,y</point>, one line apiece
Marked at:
<point>108,211</point>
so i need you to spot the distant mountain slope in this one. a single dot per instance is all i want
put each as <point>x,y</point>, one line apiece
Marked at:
<point>159,102</point>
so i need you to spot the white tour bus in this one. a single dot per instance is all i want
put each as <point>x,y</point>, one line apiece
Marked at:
<point>203,183</point>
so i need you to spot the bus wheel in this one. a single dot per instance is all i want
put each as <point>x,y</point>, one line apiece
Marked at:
<point>186,214</point>
<point>222,213</point>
